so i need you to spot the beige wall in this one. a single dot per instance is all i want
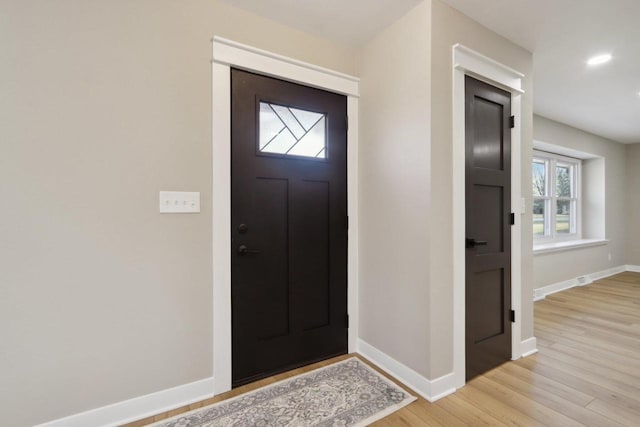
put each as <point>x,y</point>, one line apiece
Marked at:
<point>448,28</point>
<point>633,204</point>
<point>550,268</point>
<point>406,180</point>
<point>632,223</point>
<point>394,190</point>
<point>104,104</point>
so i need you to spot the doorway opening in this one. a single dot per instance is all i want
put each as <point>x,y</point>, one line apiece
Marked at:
<point>288,225</point>
<point>228,54</point>
<point>488,227</point>
<point>467,62</point>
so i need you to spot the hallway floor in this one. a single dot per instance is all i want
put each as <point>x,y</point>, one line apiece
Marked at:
<point>587,370</point>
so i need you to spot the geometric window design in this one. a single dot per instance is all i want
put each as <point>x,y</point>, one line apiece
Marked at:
<point>292,132</point>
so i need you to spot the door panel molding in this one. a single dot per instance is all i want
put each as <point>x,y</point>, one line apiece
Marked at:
<point>226,54</point>
<point>466,61</point>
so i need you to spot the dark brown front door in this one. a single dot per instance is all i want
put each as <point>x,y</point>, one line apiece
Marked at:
<point>488,227</point>
<point>288,225</point>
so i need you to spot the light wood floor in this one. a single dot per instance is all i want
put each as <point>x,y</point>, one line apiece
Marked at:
<point>587,371</point>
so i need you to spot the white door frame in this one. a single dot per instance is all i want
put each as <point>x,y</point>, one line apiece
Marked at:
<point>469,62</point>
<point>228,54</point>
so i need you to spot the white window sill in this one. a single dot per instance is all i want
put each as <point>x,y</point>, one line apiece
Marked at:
<point>567,245</point>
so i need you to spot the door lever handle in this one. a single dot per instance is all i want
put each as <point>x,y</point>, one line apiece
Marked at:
<point>472,243</point>
<point>244,250</point>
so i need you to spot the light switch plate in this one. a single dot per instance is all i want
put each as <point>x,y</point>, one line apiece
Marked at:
<point>179,202</point>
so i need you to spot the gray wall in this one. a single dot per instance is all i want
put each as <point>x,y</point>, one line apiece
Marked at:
<point>632,223</point>
<point>394,190</point>
<point>550,268</point>
<point>448,28</point>
<point>104,104</point>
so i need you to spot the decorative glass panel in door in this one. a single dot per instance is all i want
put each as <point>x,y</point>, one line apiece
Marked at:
<point>292,132</point>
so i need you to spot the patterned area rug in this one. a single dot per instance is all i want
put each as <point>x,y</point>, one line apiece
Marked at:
<point>347,393</point>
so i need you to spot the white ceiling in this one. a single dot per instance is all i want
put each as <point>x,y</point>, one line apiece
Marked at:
<point>562,34</point>
<point>350,22</point>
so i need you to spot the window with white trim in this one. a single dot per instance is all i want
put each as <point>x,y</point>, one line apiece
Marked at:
<point>556,197</point>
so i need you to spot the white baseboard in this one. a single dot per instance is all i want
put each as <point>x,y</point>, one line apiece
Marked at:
<point>431,390</point>
<point>606,273</point>
<point>529,347</point>
<point>541,293</point>
<point>166,400</point>
<point>139,407</point>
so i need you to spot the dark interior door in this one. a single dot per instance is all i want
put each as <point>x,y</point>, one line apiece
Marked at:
<point>289,225</point>
<point>488,227</point>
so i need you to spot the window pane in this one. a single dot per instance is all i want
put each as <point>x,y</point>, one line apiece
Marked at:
<point>563,181</point>
<point>539,218</point>
<point>292,132</point>
<point>539,178</point>
<point>312,143</point>
<point>563,217</point>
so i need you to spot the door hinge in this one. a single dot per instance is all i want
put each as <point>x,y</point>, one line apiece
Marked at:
<point>346,120</point>
<point>347,222</point>
<point>512,122</point>
<point>346,320</point>
<point>512,315</point>
<point>512,219</point>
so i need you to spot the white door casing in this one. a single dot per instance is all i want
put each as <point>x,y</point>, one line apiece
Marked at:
<point>469,62</point>
<point>226,55</point>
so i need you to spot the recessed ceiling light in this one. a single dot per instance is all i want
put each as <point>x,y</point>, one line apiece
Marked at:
<point>600,59</point>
